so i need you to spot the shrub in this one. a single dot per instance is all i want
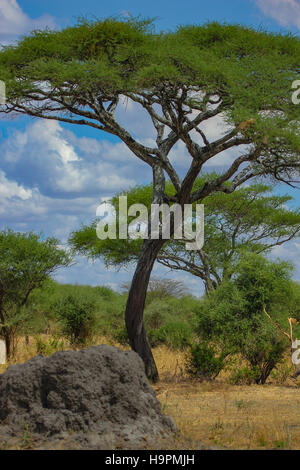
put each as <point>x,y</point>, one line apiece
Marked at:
<point>244,376</point>
<point>174,334</point>
<point>170,321</point>
<point>263,350</point>
<point>203,363</point>
<point>232,317</point>
<point>76,315</point>
<point>49,346</point>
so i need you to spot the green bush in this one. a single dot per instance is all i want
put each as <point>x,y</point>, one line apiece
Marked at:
<point>203,363</point>
<point>110,319</point>
<point>76,315</point>
<point>232,317</point>
<point>49,346</point>
<point>176,335</point>
<point>263,350</point>
<point>244,376</point>
<point>170,321</point>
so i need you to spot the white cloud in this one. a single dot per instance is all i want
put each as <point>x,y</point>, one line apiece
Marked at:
<point>60,164</point>
<point>10,189</point>
<point>14,22</point>
<point>285,12</point>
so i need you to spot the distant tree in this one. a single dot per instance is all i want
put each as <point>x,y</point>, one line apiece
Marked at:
<point>160,287</point>
<point>26,262</point>
<point>252,219</point>
<point>181,79</point>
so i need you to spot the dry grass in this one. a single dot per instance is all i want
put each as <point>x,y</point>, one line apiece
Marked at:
<point>217,413</point>
<point>224,415</point>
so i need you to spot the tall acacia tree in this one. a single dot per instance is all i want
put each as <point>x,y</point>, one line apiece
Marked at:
<point>182,79</point>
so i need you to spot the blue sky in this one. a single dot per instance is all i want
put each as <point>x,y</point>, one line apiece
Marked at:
<point>53,176</point>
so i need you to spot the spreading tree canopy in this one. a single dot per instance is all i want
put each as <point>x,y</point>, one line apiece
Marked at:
<point>252,219</point>
<point>181,79</point>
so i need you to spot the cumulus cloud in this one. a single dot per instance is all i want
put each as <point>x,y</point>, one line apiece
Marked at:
<point>285,12</point>
<point>60,164</point>
<point>52,181</point>
<point>14,22</point>
<point>10,189</point>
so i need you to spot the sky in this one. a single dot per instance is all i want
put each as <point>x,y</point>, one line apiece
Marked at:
<point>53,175</point>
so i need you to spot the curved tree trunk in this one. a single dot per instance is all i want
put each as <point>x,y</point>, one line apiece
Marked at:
<point>136,303</point>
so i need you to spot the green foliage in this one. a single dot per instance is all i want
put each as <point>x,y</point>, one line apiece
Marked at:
<point>170,321</point>
<point>252,219</point>
<point>202,362</point>
<point>244,376</point>
<point>49,346</point>
<point>108,309</point>
<point>252,69</point>
<point>263,349</point>
<point>41,318</point>
<point>261,282</point>
<point>26,262</point>
<point>233,319</point>
<point>175,334</point>
<point>76,314</point>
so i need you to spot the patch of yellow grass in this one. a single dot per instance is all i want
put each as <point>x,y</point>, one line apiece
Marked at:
<point>217,413</point>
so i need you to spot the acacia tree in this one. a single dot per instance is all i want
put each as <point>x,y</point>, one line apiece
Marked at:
<point>252,219</point>
<point>181,79</point>
<point>26,262</point>
<point>160,288</point>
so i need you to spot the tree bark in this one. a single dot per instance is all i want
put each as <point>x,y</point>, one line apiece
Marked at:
<point>7,340</point>
<point>136,303</point>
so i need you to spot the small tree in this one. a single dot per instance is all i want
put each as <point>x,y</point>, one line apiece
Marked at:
<point>76,314</point>
<point>203,363</point>
<point>233,318</point>
<point>26,261</point>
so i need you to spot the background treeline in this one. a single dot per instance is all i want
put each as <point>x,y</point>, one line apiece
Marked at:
<point>81,313</point>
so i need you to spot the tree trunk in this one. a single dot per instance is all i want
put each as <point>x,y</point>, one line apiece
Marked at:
<point>136,303</point>
<point>7,340</point>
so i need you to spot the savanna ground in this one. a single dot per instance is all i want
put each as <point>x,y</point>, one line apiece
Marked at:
<point>217,413</point>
